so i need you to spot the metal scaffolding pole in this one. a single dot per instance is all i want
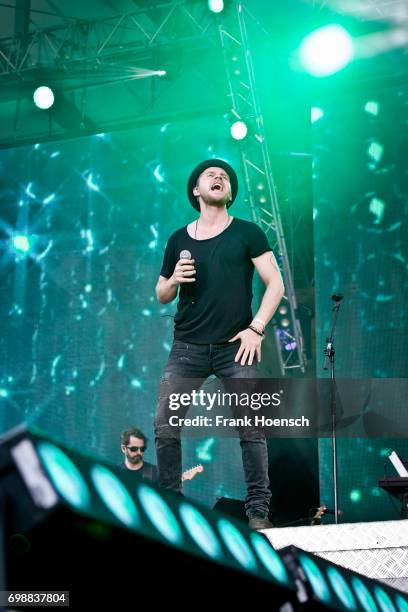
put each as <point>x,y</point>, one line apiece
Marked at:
<point>258,176</point>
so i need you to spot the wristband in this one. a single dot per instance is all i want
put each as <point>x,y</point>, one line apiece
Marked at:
<point>259,321</point>
<point>260,333</point>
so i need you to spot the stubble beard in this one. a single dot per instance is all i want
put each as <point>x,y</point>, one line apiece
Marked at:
<point>134,460</point>
<point>218,203</point>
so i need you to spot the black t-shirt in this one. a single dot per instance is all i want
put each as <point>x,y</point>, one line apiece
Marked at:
<point>148,472</point>
<point>218,305</point>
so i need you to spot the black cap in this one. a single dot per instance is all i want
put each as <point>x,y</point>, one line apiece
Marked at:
<point>211,163</point>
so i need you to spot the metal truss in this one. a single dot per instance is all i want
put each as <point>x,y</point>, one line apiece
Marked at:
<point>388,10</point>
<point>83,59</point>
<point>108,41</point>
<point>259,180</point>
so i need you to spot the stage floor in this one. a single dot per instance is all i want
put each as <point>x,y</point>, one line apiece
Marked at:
<point>378,549</point>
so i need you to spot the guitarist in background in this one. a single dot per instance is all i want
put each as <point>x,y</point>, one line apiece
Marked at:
<point>133,444</point>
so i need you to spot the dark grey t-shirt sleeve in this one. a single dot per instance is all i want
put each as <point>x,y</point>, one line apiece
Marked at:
<point>257,241</point>
<point>169,259</point>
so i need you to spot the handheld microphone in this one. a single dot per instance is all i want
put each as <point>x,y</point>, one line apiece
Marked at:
<point>188,290</point>
<point>185,254</point>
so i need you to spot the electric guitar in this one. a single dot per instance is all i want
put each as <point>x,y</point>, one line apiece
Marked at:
<point>192,472</point>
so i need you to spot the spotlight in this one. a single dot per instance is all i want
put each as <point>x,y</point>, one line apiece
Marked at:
<point>160,514</point>
<point>216,6</point>
<point>363,594</point>
<point>65,476</point>
<point>43,97</point>
<point>200,530</point>
<point>21,243</point>
<point>285,322</point>
<point>283,310</point>
<point>239,130</point>
<point>341,588</point>
<point>237,545</point>
<point>115,496</point>
<point>326,50</point>
<point>316,579</point>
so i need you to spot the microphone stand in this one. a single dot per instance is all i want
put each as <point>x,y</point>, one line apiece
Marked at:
<point>329,356</point>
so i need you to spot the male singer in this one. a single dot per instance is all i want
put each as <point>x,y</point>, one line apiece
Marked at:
<point>210,265</point>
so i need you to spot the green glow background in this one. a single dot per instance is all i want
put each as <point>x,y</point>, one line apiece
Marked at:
<point>361,237</point>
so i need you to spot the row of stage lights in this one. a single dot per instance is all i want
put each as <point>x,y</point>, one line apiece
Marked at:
<point>141,508</point>
<point>87,486</point>
<point>44,98</point>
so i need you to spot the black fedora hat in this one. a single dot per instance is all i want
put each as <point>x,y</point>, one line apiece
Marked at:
<point>211,163</point>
